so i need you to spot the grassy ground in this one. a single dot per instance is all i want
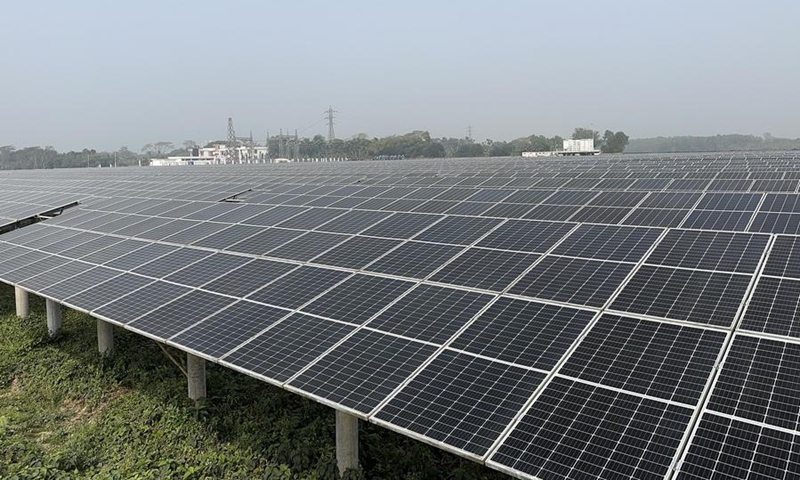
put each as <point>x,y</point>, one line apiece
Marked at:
<point>65,413</point>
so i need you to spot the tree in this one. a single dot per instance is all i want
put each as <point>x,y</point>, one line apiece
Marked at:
<point>581,133</point>
<point>190,144</point>
<point>614,142</point>
<point>470,150</point>
<point>163,147</point>
<point>433,150</point>
<point>499,149</point>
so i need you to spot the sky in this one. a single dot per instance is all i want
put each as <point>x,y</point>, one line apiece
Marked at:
<point>102,74</point>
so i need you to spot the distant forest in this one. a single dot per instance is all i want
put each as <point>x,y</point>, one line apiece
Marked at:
<point>716,143</point>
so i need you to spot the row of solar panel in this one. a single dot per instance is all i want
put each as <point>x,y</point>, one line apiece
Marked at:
<point>732,212</point>
<point>366,366</point>
<point>382,362</point>
<point>655,289</point>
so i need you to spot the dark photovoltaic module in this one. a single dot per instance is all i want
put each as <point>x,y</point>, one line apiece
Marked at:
<point>592,317</point>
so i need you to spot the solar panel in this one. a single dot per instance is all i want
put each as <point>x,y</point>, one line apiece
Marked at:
<point>414,259</point>
<point>308,246</point>
<point>287,347</point>
<point>83,281</point>
<point>96,295</point>
<point>529,334</point>
<point>222,331</point>
<point>34,268</point>
<point>642,356</point>
<point>607,242</point>
<point>526,236</point>
<point>774,307</point>
<point>227,237</point>
<point>135,304</point>
<point>730,252</point>
<point>180,314</point>
<point>354,221</point>
<point>759,382</point>
<point>458,230</point>
<point>430,313</point>
<point>36,283</point>
<point>402,225</point>
<point>357,252</point>
<point>461,400</point>
<point>696,296</point>
<point>116,250</point>
<point>577,430</point>
<point>573,280</point>
<point>363,370</point>
<point>729,448</point>
<point>784,258</point>
<point>207,269</point>
<point>656,217</point>
<point>358,298</point>
<point>140,256</point>
<point>252,276</point>
<point>298,287</point>
<point>485,269</point>
<point>717,220</point>
<point>171,262</point>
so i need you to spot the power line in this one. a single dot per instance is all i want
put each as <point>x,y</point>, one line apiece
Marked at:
<point>330,117</point>
<point>231,140</point>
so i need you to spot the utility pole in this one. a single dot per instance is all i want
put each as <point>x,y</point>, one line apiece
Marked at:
<point>231,141</point>
<point>330,116</point>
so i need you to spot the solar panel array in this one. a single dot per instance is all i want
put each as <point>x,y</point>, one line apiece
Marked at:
<point>603,317</point>
<point>17,206</point>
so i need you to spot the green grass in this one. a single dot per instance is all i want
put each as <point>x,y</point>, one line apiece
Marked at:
<point>67,413</point>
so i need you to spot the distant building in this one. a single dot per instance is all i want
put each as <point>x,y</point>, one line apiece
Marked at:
<point>583,146</point>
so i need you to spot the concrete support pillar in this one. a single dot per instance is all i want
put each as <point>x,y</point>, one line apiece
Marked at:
<point>22,302</point>
<point>53,317</point>
<point>346,441</point>
<point>105,338</point>
<point>196,373</point>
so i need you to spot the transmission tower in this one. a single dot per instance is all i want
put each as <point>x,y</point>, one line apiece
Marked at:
<point>330,116</point>
<point>231,141</point>
<point>469,132</point>
<point>296,146</point>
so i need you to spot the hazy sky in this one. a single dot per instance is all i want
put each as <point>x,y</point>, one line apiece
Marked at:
<point>103,74</point>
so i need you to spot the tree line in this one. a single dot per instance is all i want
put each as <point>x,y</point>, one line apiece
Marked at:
<point>715,143</point>
<point>416,144</point>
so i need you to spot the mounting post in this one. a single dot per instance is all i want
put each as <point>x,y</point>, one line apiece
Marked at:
<point>105,338</point>
<point>53,317</point>
<point>196,376</point>
<point>21,297</point>
<point>346,441</point>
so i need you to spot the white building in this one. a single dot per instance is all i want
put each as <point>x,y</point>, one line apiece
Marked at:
<point>583,146</point>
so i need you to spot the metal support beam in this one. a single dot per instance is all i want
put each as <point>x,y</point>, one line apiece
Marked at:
<point>53,317</point>
<point>196,376</point>
<point>105,338</point>
<point>346,441</point>
<point>22,302</point>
